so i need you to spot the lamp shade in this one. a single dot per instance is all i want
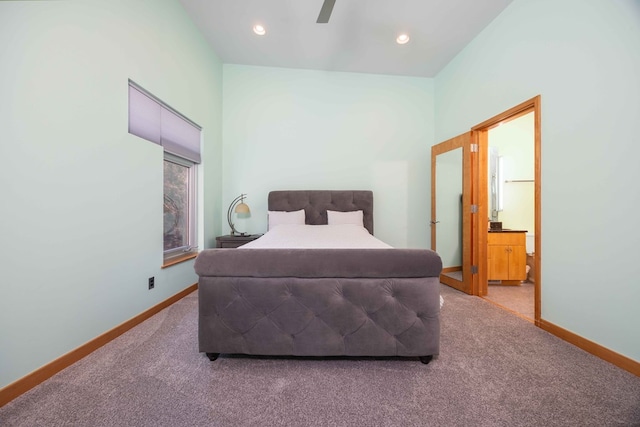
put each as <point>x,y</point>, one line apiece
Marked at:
<point>242,208</point>
<point>238,206</point>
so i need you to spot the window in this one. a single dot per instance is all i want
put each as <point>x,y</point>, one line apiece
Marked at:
<point>179,205</point>
<point>155,121</point>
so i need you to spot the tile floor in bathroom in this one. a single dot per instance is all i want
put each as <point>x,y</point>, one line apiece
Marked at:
<point>516,298</point>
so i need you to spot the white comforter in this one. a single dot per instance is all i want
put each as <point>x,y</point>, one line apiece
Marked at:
<point>317,236</point>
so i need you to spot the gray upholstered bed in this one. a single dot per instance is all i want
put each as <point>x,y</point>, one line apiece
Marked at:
<point>320,302</point>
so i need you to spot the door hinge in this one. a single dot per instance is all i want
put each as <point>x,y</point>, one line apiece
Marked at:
<point>474,148</point>
<point>474,208</point>
<point>474,269</point>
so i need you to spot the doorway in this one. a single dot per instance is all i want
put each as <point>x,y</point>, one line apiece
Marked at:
<point>510,190</point>
<point>512,195</point>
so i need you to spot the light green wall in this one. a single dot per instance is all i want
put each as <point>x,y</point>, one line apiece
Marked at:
<point>81,199</point>
<point>583,58</point>
<point>298,129</point>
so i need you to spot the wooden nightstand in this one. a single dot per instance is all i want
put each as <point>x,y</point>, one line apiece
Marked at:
<point>230,241</point>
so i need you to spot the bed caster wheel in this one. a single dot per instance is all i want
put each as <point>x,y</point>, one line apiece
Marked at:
<point>214,356</point>
<point>425,359</point>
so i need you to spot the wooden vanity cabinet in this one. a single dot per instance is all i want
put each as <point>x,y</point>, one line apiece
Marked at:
<point>507,256</point>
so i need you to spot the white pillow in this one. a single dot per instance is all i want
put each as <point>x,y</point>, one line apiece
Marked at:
<point>339,218</point>
<point>280,217</point>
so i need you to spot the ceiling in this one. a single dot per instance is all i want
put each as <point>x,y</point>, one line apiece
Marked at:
<point>359,37</point>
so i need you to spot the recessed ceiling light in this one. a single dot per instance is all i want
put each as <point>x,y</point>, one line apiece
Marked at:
<point>402,39</point>
<point>259,30</point>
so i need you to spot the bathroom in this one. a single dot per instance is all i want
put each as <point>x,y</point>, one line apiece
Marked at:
<point>511,192</point>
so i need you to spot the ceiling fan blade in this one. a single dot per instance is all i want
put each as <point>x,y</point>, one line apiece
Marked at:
<point>325,12</point>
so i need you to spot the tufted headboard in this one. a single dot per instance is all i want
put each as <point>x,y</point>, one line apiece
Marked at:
<point>316,203</point>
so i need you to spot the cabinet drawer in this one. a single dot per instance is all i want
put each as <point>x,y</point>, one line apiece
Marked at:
<point>506,239</point>
<point>227,244</point>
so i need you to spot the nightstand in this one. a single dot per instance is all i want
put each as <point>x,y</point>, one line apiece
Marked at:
<point>230,241</point>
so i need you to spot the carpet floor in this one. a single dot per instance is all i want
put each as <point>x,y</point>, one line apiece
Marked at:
<point>494,369</point>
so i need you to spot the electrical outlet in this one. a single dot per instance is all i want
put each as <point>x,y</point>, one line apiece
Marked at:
<point>151,282</point>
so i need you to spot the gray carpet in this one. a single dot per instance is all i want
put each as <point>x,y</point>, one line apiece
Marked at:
<point>495,369</point>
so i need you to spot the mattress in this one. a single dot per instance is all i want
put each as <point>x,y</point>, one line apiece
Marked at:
<point>297,236</point>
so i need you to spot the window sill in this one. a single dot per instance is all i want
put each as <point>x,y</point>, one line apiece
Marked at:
<point>178,259</point>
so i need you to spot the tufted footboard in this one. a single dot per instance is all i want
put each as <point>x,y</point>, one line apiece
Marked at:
<point>319,302</point>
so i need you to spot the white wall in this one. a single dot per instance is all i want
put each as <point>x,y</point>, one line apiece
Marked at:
<point>81,199</point>
<point>583,58</point>
<point>297,129</point>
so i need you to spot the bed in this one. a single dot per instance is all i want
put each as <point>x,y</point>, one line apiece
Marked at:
<point>319,301</point>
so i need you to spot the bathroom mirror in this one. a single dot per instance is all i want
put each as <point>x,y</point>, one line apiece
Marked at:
<point>496,183</point>
<point>451,210</point>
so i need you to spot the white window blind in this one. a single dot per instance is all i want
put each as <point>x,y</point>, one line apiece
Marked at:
<point>180,137</point>
<point>144,116</point>
<point>155,121</point>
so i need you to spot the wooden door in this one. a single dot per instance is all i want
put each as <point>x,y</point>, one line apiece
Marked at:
<point>451,219</point>
<point>498,260</point>
<point>518,263</point>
